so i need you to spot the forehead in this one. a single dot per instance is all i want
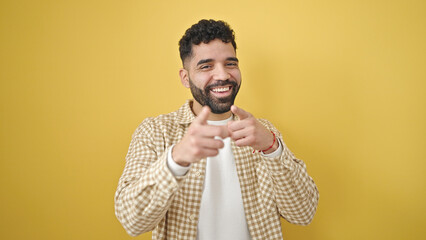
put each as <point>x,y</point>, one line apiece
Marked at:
<point>215,49</point>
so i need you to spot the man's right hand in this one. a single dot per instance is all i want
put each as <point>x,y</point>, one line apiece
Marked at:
<point>199,142</point>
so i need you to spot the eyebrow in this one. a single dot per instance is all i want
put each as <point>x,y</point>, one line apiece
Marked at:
<point>232,59</point>
<point>202,61</point>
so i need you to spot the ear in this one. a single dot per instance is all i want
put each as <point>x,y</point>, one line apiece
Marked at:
<point>184,77</point>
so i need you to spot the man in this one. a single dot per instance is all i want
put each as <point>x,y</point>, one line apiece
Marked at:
<point>210,170</point>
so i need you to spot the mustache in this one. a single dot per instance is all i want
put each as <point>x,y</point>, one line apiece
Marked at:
<point>220,84</point>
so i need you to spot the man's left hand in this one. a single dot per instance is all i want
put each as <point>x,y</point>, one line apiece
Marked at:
<point>248,131</point>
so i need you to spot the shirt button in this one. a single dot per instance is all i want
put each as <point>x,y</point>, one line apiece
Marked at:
<point>192,217</point>
<point>197,174</point>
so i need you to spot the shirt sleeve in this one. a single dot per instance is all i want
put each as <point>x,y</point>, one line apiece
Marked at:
<point>175,168</point>
<point>295,192</point>
<point>147,186</point>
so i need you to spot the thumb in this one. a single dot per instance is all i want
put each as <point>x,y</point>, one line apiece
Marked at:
<point>202,117</point>
<point>239,112</point>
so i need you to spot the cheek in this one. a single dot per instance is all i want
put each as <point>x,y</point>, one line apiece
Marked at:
<point>236,75</point>
<point>201,80</point>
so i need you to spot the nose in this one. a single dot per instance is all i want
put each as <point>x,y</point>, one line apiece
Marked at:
<point>221,73</point>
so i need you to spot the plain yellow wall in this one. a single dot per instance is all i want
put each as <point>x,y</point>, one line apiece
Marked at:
<point>343,80</point>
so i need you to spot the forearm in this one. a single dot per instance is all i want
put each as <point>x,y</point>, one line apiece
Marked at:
<point>142,200</point>
<point>295,192</point>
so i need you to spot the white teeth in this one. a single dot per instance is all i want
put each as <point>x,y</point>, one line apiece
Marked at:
<point>220,89</point>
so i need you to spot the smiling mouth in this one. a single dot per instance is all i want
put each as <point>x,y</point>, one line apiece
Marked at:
<point>221,89</point>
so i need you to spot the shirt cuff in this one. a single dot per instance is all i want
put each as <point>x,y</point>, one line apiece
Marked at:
<point>175,168</point>
<point>275,153</point>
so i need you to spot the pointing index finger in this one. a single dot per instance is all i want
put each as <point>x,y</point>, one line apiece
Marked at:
<point>202,117</point>
<point>239,112</point>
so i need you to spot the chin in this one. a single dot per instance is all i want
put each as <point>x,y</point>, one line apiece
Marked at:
<point>220,108</point>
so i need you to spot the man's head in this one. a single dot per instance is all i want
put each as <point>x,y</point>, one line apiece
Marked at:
<point>210,65</point>
<point>203,32</point>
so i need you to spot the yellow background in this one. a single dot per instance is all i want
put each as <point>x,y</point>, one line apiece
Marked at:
<point>343,80</point>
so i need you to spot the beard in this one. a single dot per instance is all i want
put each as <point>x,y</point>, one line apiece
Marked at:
<point>217,105</point>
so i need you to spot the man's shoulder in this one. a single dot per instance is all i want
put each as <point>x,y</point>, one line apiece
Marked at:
<point>181,116</point>
<point>162,119</point>
<point>265,122</point>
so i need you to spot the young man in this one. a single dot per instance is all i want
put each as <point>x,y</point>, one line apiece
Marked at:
<point>211,170</point>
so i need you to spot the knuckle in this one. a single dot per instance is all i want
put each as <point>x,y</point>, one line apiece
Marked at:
<point>251,130</point>
<point>219,144</point>
<point>250,140</point>
<point>217,131</point>
<point>192,130</point>
<point>194,141</point>
<point>196,152</point>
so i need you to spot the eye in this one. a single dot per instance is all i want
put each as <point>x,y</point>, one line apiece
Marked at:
<point>204,67</point>
<point>232,64</point>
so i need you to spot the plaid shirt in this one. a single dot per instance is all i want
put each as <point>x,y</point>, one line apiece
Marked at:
<point>149,197</point>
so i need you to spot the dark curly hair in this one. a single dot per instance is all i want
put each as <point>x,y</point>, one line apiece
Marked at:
<point>205,31</point>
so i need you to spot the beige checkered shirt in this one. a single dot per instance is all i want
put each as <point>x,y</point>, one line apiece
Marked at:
<point>149,197</point>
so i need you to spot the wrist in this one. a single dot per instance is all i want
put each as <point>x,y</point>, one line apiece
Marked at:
<point>176,169</point>
<point>177,159</point>
<point>272,147</point>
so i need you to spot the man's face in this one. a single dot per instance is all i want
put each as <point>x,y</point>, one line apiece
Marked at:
<point>213,75</point>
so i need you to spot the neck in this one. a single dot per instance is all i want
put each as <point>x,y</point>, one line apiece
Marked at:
<point>196,109</point>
